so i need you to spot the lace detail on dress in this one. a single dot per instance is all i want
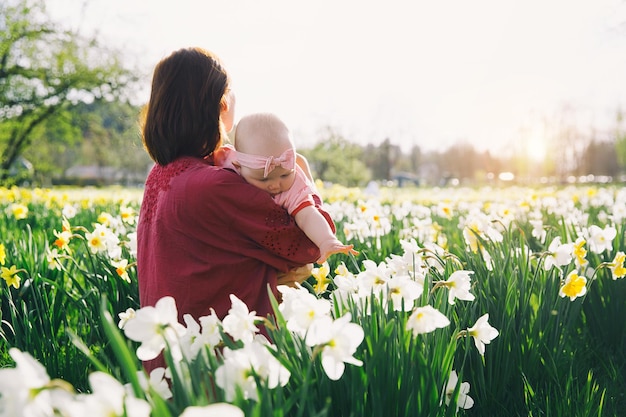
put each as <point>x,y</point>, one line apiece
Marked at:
<point>289,243</point>
<point>159,180</point>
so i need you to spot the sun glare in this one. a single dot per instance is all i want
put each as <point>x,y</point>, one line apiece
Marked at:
<point>536,147</point>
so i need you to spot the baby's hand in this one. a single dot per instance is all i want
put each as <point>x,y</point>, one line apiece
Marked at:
<point>332,247</point>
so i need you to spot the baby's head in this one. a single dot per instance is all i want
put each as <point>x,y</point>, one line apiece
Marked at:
<point>263,137</point>
<point>262,134</point>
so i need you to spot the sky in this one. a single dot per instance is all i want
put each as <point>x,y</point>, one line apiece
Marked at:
<point>497,74</point>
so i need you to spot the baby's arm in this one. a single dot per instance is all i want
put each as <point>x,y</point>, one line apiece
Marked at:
<point>317,229</point>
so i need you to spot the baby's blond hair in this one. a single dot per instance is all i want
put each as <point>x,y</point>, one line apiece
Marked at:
<point>263,134</point>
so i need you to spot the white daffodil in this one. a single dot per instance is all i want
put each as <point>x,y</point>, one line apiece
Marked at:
<point>538,231</point>
<point>601,240</point>
<point>18,211</point>
<point>403,291</point>
<point>265,364</point>
<point>105,219</point>
<point>124,316</point>
<point>240,367</point>
<point>152,326</point>
<point>240,322</point>
<point>558,254</point>
<point>103,239</point>
<point>69,211</point>
<point>22,387</point>
<point>213,410</point>
<point>211,325</point>
<point>128,215</point>
<point>339,340</point>
<point>109,398</point>
<point>95,241</point>
<point>199,334</point>
<point>53,258</point>
<point>300,309</point>
<point>426,319</point>
<point>463,401</point>
<point>132,244</point>
<point>459,285</point>
<point>347,287</point>
<point>188,340</point>
<point>235,374</point>
<point>483,333</point>
<point>374,278</point>
<point>156,381</point>
<point>415,261</point>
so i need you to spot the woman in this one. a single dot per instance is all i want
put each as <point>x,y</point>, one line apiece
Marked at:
<point>204,232</point>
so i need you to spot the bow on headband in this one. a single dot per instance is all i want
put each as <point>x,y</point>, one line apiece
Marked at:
<point>287,160</point>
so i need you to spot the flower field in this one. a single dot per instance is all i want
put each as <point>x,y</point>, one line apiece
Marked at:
<point>470,302</point>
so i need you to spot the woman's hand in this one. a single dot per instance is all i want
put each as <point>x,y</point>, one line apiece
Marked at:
<point>292,276</point>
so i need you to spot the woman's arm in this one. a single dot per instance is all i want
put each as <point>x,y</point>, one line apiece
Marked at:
<point>262,228</point>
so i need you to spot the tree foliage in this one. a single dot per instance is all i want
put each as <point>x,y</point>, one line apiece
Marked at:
<point>102,134</point>
<point>336,160</point>
<point>44,71</point>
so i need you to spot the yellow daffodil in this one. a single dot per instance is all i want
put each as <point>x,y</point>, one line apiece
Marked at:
<point>95,242</point>
<point>63,239</point>
<point>127,214</point>
<point>574,286</point>
<point>580,252</point>
<point>617,266</point>
<point>3,254</point>
<point>105,218</point>
<point>19,211</point>
<point>10,276</point>
<point>321,278</point>
<point>65,224</point>
<point>121,268</point>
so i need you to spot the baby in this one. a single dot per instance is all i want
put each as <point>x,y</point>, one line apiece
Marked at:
<point>265,156</point>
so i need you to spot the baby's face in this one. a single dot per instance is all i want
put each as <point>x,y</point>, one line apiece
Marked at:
<point>278,180</point>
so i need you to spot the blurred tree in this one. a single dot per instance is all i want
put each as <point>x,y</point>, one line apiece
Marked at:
<point>620,140</point>
<point>569,144</point>
<point>600,159</point>
<point>415,158</point>
<point>382,159</point>
<point>459,161</point>
<point>102,133</point>
<point>336,160</point>
<point>44,70</point>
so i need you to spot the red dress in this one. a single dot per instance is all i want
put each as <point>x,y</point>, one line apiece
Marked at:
<point>205,233</point>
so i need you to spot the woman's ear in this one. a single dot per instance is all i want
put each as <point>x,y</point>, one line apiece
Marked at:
<point>227,111</point>
<point>224,104</point>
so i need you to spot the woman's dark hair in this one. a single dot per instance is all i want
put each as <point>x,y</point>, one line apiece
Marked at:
<point>182,117</point>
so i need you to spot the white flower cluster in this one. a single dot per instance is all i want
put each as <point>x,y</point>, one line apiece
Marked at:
<point>561,255</point>
<point>27,391</point>
<point>247,359</point>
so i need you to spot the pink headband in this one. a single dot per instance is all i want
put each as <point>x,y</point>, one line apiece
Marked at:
<point>287,160</point>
